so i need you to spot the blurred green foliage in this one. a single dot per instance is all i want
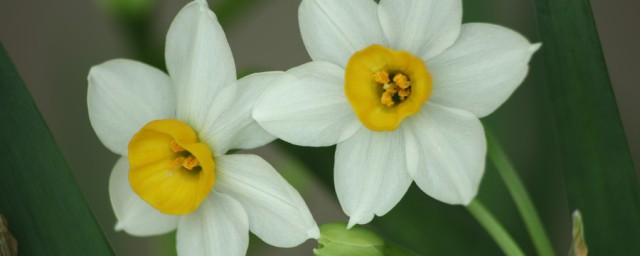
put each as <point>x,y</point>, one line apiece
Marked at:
<point>598,170</point>
<point>44,206</point>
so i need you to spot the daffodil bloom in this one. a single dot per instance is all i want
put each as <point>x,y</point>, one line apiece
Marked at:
<point>173,132</point>
<point>399,86</point>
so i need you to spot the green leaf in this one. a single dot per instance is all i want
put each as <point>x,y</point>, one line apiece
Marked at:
<point>44,207</point>
<point>598,170</point>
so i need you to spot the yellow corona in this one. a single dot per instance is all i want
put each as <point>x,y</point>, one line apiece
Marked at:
<point>384,86</point>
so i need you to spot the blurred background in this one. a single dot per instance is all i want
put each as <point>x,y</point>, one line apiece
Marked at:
<point>54,43</point>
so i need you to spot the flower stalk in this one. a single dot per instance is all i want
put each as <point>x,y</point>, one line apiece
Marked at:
<point>493,227</point>
<point>519,194</point>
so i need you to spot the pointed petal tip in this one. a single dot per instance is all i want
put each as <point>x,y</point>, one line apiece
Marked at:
<point>202,3</point>
<point>352,222</point>
<point>119,226</point>
<point>314,233</point>
<point>535,47</point>
<point>359,219</point>
<point>467,202</point>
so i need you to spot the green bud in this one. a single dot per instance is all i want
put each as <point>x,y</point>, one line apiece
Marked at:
<point>337,240</point>
<point>579,247</point>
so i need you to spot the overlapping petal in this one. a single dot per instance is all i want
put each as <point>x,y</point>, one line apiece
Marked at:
<point>445,152</point>
<point>135,216</point>
<point>219,227</point>
<point>235,128</point>
<point>422,27</point>
<point>370,174</point>
<point>306,106</point>
<point>332,30</point>
<point>123,96</point>
<point>277,213</point>
<point>482,69</point>
<point>199,61</point>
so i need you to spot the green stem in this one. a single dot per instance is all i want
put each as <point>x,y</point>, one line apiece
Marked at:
<point>493,227</point>
<point>520,196</point>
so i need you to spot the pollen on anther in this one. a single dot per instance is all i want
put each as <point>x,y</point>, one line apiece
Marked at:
<point>190,163</point>
<point>381,77</point>
<point>404,93</point>
<point>175,162</point>
<point>175,147</point>
<point>402,81</point>
<point>390,88</point>
<point>387,99</point>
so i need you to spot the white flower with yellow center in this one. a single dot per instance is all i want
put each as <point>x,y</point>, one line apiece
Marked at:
<point>399,86</point>
<point>173,132</point>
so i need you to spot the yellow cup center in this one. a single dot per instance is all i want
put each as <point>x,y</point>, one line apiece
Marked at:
<point>169,167</point>
<point>384,86</point>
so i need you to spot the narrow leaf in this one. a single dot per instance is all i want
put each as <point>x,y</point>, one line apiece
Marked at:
<point>599,173</point>
<point>43,205</point>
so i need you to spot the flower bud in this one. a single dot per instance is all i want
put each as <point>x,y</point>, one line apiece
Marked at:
<point>337,240</point>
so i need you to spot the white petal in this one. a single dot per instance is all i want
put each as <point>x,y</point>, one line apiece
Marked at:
<point>134,215</point>
<point>219,227</point>
<point>307,106</point>
<point>370,174</point>
<point>123,96</point>
<point>446,151</point>
<point>199,61</point>
<point>332,30</point>
<point>422,27</point>
<point>277,213</point>
<point>235,128</point>
<point>481,70</point>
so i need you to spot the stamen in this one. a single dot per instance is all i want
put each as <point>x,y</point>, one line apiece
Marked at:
<point>404,93</point>
<point>402,81</point>
<point>395,91</point>
<point>390,88</point>
<point>190,163</point>
<point>381,77</point>
<point>176,162</point>
<point>175,147</point>
<point>387,99</point>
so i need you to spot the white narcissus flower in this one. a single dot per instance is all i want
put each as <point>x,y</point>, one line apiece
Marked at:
<point>399,86</point>
<point>173,132</point>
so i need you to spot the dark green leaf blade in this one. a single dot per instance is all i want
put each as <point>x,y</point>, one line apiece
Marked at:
<point>44,206</point>
<point>599,173</point>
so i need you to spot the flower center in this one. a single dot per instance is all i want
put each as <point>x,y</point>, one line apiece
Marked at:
<point>183,159</point>
<point>396,90</point>
<point>169,167</point>
<point>384,86</point>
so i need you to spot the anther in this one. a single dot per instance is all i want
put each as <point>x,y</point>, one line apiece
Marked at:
<point>175,147</point>
<point>176,162</point>
<point>381,77</point>
<point>190,163</point>
<point>404,93</point>
<point>387,99</point>
<point>401,81</point>
<point>390,88</point>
